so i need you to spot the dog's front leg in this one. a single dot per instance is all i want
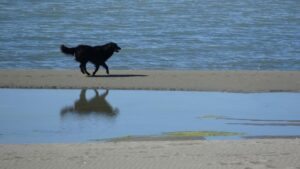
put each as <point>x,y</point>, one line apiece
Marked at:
<point>106,68</point>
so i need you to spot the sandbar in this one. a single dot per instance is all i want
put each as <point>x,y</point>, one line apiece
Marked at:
<point>246,154</point>
<point>231,81</point>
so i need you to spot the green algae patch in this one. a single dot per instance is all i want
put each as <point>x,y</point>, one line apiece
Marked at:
<point>176,136</point>
<point>201,134</point>
<point>153,138</point>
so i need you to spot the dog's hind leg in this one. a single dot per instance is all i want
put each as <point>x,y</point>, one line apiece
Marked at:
<point>83,68</point>
<point>106,68</point>
<point>86,70</point>
<point>96,69</point>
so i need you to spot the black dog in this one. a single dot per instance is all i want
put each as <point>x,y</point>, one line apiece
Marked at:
<point>97,55</point>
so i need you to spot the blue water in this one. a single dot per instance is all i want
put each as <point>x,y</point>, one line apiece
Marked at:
<point>177,34</point>
<point>56,116</point>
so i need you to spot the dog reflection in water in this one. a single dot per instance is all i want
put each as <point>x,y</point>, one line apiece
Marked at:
<point>94,106</point>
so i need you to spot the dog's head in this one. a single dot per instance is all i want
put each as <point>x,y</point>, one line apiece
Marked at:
<point>114,46</point>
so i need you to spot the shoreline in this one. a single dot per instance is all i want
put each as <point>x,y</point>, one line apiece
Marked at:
<point>257,153</point>
<point>224,81</point>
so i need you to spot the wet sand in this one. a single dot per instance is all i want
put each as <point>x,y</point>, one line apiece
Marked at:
<point>233,81</point>
<point>250,154</point>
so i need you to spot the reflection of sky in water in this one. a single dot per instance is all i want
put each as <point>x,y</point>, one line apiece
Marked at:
<point>39,115</point>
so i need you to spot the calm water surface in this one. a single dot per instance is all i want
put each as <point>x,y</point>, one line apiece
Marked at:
<point>60,116</point>
<point>197,35</point>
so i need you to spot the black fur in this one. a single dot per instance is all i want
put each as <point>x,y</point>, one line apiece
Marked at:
<point>97,55</point>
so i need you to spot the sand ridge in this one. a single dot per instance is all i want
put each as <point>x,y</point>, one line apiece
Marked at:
<point>245,154</point>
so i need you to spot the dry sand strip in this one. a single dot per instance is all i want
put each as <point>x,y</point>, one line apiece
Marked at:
<point>249,154</point>
<point>233,81</point>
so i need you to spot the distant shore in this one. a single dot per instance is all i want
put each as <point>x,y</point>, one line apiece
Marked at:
<point>231,81</point>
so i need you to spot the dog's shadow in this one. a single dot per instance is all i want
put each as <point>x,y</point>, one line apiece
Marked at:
<point>119,75</point>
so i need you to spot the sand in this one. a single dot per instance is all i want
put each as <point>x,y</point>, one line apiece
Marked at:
<point>232,81</point>
<point>242,154</point>
<point>250,154</point>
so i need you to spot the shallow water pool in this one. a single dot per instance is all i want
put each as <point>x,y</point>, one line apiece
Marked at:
<point>64,116</point>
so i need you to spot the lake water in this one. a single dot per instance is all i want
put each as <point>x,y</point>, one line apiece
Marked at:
<point>197,35</point>
<point>64,116</point>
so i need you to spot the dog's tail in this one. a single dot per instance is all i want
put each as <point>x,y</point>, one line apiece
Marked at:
<point>66,50</point>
